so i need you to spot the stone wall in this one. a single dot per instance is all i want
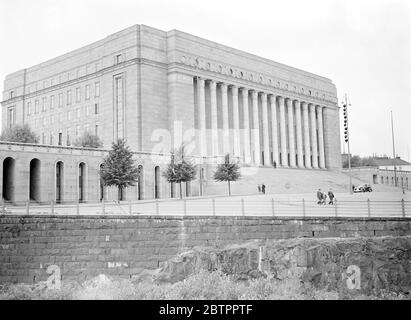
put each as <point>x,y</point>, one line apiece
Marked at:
<point>85,246</point>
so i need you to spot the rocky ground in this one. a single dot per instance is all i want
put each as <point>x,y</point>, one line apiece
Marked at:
<point>305,268</point>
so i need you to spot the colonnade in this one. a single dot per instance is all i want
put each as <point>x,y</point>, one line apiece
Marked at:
<point>262,128</point>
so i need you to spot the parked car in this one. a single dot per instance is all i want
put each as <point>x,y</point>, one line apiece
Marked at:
<point>363,188</point>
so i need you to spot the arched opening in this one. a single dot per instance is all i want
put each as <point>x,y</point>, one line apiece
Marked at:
<point>140,183</point>
<point>35,180</point>
<point>157,182</point>
<point>81,181</point>
<point>59,181</point>
<point>8,179</point>
<point>101,184</point>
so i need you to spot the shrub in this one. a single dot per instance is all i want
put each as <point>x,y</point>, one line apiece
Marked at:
<point>19,133</point>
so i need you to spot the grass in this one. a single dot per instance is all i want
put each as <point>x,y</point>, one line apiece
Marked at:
<point>201,286</point>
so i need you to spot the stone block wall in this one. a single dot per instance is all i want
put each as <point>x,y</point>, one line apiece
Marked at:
<point>85,246</point>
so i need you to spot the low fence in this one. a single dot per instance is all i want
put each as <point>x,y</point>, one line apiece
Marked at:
<point>235,206</point>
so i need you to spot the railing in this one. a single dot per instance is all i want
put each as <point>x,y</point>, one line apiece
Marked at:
<point>235,206</point>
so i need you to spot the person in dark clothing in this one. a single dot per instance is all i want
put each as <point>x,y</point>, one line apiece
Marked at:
<point>319,196</point>
<point>259,188</point>
<point>263,188</point>
<point>331,197</point>
<point>275,164</point>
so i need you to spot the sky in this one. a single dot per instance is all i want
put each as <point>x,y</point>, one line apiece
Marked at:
<point>363,46</point>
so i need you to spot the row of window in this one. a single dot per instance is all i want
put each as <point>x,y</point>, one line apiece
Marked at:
<point>71,115</point>
<point>52,102</point>
<point>48,138</point>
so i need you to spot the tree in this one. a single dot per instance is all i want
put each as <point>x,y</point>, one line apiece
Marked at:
<point>119,168</point>
<point>179,169</point>
<point>227,171</point>
<point>88,140</point>
<point>19,133</point>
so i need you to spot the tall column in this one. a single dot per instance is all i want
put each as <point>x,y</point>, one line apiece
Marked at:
<point>226,132</point>
<point>283,136</point>
<point>274,130</point>
<point>266,142</point>
<point>300,162</point>
<point>214,128</point>
<point>313,136</point>
<point>320,136</point>
<point>256,129</point>
<point>246,122</point>
<point>236,122</point>
<point>307,148</point>
<point>202,115</point>
<point>291,139</point>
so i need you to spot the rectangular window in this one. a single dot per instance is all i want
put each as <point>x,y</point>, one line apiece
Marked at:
<point>28,108</point>
<point>87,128</point>
<point>59,117</point>
<point>52,119</point>
<point>96,129</point>
<point>78,95</point>
<point>43,138</point>
<point>36,123</point>
<point>118,59</point>
<point>69,115</point>
<point>44,105</point>
<point>68,97</point>
<point>78,113</point>
<point>60,138</point>
<point>51,102</point>
<point>11,116</point>
<point>44,122</point>
<point>51,138</point>
<point>60,100</point>
<point>87,92</point>
<point>77,131</point>
<point>87,110</point>
<point>97,89</point>
<point>96,109</point>
<point>11,94</point>
<point>68,136</point>
<point>36,106</point>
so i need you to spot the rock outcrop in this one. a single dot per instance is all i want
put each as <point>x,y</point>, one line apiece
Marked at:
<point>349,265</point>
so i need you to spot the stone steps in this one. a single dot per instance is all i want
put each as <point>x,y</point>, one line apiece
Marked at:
<point>282,180</point>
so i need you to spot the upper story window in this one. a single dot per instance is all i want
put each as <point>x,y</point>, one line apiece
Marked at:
<point>87,94</point>
<point>11,116</point>
<point>78,94</point>
<point>51,102</point>
<point>44,105</point>
<point>28,110</point>
<point>68,97</point>
<point>36,106</point>
<point>11,94</point>
<point>118,59</point>
<point>60,100</point>
<point>96,108</point>
<point>97,89</point>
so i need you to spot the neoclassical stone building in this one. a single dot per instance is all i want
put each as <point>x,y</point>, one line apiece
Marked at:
<point>157,89</point>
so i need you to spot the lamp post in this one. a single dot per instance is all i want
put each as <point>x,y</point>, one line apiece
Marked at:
<point>393,151</point>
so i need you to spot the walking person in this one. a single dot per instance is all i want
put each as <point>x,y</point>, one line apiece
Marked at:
<point>275,164</point>
<point>319,196</point>
<point>263,188</point>
<point>259,188</point>
<point>331,196</point>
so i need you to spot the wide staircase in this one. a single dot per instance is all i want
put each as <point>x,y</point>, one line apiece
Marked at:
<point>286,181</point>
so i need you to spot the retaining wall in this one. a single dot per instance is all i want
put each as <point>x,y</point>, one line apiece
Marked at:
<point>85,246</point>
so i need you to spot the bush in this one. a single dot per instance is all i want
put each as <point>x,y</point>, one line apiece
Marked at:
<point>19,133</point>
<point>88,140</point>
